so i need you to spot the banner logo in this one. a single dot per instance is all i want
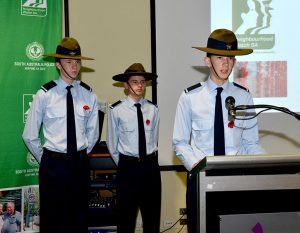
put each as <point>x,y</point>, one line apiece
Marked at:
<point>31,160</point>
<point>36,8</point>
<point>252,24</point>
<point>34,51</point>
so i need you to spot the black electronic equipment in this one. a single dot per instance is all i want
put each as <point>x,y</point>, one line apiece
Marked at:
<point>98,203</point>
<point>102,203</point>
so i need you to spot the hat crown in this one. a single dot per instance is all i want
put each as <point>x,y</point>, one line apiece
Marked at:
<point>223,42</point>
<point>135,68</point>
<point>222,39</point>
<point>69,43</point>
<point>223,35</point>
<point>69,46</point>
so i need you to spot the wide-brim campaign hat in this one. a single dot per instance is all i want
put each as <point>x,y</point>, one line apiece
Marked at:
<point>223,42</point>
<point>68,48</point>
<point>136,69</point>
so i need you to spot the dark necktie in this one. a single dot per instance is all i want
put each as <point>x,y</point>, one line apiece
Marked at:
<point>71,128</point>
<point>219,144</point>
<point>142,138</point>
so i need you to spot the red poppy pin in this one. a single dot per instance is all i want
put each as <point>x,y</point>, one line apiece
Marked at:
<point>85,107</point>
<point>231,124</point>
<point>148,122</point>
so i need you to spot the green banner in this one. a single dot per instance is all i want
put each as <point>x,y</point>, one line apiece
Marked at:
<point>28,28</point>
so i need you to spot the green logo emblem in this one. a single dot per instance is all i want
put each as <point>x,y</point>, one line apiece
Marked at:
<point>36,8</point>
<point>34,51</point>
<point>31,160</point>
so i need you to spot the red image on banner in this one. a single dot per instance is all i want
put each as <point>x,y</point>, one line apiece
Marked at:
<point>262,78</point>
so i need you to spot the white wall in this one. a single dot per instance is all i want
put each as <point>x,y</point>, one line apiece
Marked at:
<point>116,34</point>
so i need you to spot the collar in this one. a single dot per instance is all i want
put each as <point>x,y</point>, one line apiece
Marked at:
<point>131,102</point>
<point>212,86</point>
<point>62,84</point>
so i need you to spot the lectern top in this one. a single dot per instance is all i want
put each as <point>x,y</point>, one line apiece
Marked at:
<point>245,161</point>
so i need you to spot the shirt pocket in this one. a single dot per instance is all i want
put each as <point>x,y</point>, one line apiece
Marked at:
<point>202,131</point>
<point>55,120</point>
<point>55,113</point>
<point>149,128</point>
<point>128,134</point>
<point>81,118</point>
<point>80,112</point>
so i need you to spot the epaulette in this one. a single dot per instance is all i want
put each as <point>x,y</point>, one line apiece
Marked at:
<point>85,86</point>
<point>115,104</point>
<point>152,103</point>
<point>192,87</point>
<point>240,86</point>
<point>49,85</point>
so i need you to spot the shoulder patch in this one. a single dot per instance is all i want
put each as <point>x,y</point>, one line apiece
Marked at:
<point>115,104</point>
<point>240,86</point>
<point>49,85</point>
<point>85,86</point>
<point>152,103</point>
<point>192,87</point>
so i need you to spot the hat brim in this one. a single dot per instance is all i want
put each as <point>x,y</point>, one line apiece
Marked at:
<point>125,76</point>
<point>238,52</point>
<point>55,55</point>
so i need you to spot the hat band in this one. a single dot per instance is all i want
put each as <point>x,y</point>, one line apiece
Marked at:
<point>220,45</point>
<point>64,51</point>
<point>134,71</point>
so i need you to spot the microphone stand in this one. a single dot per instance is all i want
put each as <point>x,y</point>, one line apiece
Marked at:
<point>267,107</point>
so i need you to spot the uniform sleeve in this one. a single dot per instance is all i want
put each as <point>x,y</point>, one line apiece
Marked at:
<point>92,129</point>
<point>112,135</point>
<point>182,133</point>
<point>250,138</point>
<point>32,127</point>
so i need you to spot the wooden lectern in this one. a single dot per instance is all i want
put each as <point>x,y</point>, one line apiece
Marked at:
<point>245,184</point>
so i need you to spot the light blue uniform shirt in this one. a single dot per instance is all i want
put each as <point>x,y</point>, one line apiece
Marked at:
<point>11,223</point>
<point>193,135</point>
<point>122,129</point>
<point>49,110</point>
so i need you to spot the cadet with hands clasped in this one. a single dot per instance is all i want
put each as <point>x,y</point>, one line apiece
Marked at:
<point>132,138</point>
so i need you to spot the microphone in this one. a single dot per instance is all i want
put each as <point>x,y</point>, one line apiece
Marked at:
<point>230,106</point>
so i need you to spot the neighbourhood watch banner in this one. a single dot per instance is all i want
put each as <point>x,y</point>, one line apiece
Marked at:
<point>28,29</point>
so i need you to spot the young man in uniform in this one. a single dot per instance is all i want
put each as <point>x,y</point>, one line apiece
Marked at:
<point>67,110</point>
<point>202,127</point>
<point>132,137</point>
